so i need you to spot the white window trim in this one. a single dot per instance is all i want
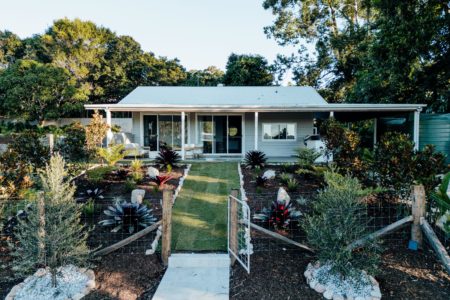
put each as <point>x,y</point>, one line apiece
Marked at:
<point>279,140</point>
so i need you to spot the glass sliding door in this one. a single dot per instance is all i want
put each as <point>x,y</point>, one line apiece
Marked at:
<point>151,132</point>
<point>234,134</point>
<point>162,131</point>
<point>220,134</point>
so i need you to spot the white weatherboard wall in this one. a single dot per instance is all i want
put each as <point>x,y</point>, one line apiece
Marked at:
<point>304,124</point>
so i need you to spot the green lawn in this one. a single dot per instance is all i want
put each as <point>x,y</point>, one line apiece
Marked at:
<point>199,219</point>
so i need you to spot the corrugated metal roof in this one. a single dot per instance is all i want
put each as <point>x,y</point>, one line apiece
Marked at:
<point>224,96</point>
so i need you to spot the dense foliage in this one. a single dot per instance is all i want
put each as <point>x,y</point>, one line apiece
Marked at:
<point>30,148</point>
<point>247,70</point>
<point>51,236</point>
<point>14,175</point>
<point>367,51</point>
<point>441,201</point>
<point>339,218</point>
<point>73,144</point>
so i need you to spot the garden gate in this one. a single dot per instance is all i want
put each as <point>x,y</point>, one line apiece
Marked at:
<point>239,239</point>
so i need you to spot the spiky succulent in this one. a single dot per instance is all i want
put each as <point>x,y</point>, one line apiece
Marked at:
<point>167,157</point>
<point>161,180</point>
<point>261,181</point>
<point>129,217</point>
<point>280,214</point>
<point>255,159</point>
<point>94,194</point>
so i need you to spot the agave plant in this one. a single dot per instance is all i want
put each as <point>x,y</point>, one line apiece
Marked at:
<point>94,194</point>
<point>255,159</point>
<point>280,214</point>
<point>167,157</point>
<point>129,217</point>
<point>261,181</point>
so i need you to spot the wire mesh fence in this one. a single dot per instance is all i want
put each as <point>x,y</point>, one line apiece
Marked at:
<point>375,216</point>
<point>121,221</point>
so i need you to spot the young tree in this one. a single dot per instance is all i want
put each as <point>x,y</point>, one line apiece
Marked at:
<point>96,131</point>
<point>36,91</point>
<point>247,70</point>
<point>51,236</point>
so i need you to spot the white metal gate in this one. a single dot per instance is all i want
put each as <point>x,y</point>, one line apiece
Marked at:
<point>239,239</point>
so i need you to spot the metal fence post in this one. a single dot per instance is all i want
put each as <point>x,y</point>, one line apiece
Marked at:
<point>166,225</point>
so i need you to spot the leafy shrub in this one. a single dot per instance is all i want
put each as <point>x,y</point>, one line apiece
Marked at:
<point>98,174</point>
<point>306,157</point>
<point>339,218</point>
<point>261,181</point>
<point>30,149</point>
<point>292,185</point>
<point>136,170</point>
<point>112,154</point>
<point>73,146</point>
<point>441,201</point>
<point>52,235</point>
<point>14,175</point>
<point>129,217</point>
<point>167,157</point>
<point>427,164</point>
<point>284,178</point>
<point>130,185</point>
<point>255,159</point>
<point>279,215</point>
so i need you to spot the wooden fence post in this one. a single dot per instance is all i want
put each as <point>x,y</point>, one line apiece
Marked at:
<point>418,211</point>
<point>234,221</point>
<point>166,226</point>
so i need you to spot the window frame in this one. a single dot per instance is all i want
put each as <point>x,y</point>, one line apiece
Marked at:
<point>279,140</point>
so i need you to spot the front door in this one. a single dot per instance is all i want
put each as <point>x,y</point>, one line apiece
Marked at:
<point>220,134</point>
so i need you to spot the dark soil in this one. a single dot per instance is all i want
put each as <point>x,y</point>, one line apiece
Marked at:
<point>278,274</point>
<point>127,277</point>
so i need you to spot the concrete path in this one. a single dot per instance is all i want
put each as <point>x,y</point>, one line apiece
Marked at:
<point>196,277</point>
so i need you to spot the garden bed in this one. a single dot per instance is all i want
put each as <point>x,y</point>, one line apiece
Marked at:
<point>278,274</point>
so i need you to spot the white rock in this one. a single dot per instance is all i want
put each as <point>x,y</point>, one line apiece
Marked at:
<point>307,273</point>
<point>328,294</point>
<point>90,274</point>
<point>320,288</point>
<point>313,283</point>
<point>374,281</point>
<point>90,284</point>
<point>152,172</point>
<point>283,196</point>
<point>376,292</point>
<point>338,297</point>
<point>137,196</point>
<point>350,297</point>
<point>360,298</point>
<point>269,174</point>
<point>78,296</point>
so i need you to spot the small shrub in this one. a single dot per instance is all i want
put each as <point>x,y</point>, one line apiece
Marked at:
<point>129,217</point>
<point>95,132</point>
<point>130,185</point>
<point>292,185</point>
<point>279,215</point>
<point>98,174</point>
<point>136,170</point>
<point>112,154</point>
<point>261,181</point>
<point>428,163</point>
<point>30,149</point>
<point>339,218</point>
<point>89,208</point>
<point>255,159</point>
<point>284,178</point>
<point>167,157</point>
<point>306,157</point>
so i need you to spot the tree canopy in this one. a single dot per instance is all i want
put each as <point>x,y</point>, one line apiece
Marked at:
<point>247,70</point>
<point>211,76</point>
<point>370,51</point>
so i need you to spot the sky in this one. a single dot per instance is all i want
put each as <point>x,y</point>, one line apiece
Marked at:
<point>200,33</point>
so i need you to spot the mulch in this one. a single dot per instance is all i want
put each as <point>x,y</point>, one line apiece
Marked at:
<point>405,274</point>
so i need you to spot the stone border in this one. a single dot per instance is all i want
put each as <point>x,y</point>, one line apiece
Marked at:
<point>90,284</point>
<point>241,183</point>
<point>328,293</point>
<point>181,182</point>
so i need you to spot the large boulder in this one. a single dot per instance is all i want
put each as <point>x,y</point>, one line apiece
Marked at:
<point>137,196</point>
<point>269,174</point>
<point>283,196</point>
<point>152,172</point>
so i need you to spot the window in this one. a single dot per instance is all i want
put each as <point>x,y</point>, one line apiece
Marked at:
<point>279,131</point>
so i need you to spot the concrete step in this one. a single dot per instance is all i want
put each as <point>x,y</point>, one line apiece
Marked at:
<point>195,260</point>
